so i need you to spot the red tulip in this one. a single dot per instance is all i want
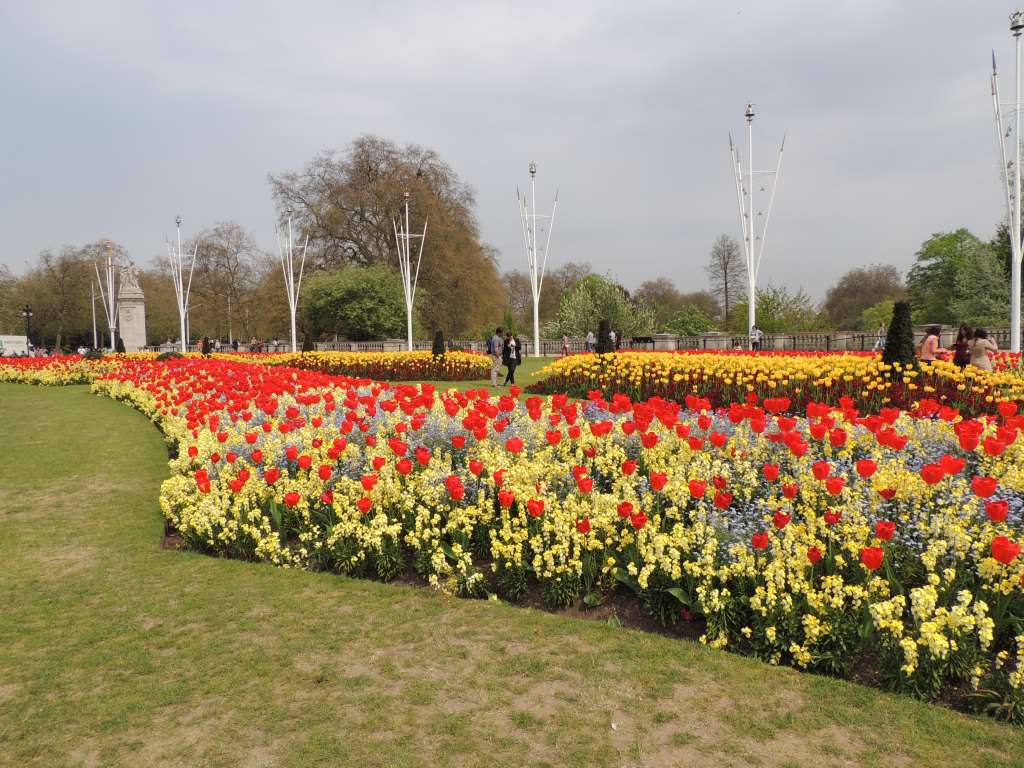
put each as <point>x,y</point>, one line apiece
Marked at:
<point>514,445</point>
<point>658,480</point>
<point>327,497</point>
<point>983,487</point>
<point>1007,409</point>
<point>866,467</point>
<point>780,519</point>
<point>833,516</point>
<point>458,441</point>
<point>697,488</point>
<point>583,526</point>
<point>814,555</point>
<point>476,467</point>
<point>723,499</point>
<point>790,490</point>
<point>535,507</point>
<point>837,437</point>
<point>770,472</point>
<point>272,475</point>
<point>291,499</point>
<point>887,493</point>
<point>1005,550</point>
<point>364,504</point>
<point>951,465</point>
<point>821,469</point>
<point>884,529</point>
<point>625,509</point>
<point>996,510</point>
<point>759,540</point>
<point>506,498</point>
<point>638,520</point>
<point>932,473</point>
<point>834,485</point>
<point>628,467</point>
<point>404,467</point>
<point>872,557</point>
<point>585,484</point>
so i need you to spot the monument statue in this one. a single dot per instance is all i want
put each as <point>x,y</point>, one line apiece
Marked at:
<point>131,309</point>
<point>129,277</point>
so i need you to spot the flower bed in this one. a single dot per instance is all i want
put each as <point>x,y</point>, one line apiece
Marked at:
<point>383,366</point>
<point>728,377</point>
<point>883,547</point>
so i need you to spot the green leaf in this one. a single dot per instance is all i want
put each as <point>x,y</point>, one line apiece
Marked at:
<point>622,576</point>
<point>679,595</point>
<point>592,599</point>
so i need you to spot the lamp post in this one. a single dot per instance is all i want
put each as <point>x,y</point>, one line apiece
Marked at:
<point>27,314</point>
<point>753,221</point>
<point>410,276</point>
<point>182,286</point>
<point>1011,176</point>
<point>292,282</point>
<point>536,263</point>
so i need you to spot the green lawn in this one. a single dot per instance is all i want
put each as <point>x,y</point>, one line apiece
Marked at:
<point>115,652</point>
<point>525,374</point>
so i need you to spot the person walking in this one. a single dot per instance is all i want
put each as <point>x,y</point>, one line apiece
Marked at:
<point>591,341</point>
<point>962,346</point>
<point>510,357</point>
<point>565,346</point>
<point>612,338</point>
<point>880,339</point>
<point>756,334</point>
<point>980,346</point>
<point>495,348</point>
<point>930,347</point>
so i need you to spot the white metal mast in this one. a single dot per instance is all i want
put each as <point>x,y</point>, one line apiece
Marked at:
<point>108,296</point>
<point>1011,176</point>
<point>536,263</point>
<point>92,297</point>
<point>182,287</point>
<point>410,277</point>
<point>753,221</point>
<point>292,282</point>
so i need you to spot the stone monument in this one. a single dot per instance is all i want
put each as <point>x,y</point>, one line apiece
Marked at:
<point>131,310</point>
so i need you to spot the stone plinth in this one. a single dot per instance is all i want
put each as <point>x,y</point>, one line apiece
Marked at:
<point>131,317</point>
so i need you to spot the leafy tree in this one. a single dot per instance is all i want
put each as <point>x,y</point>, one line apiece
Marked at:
<point>899,340</point>
<point>356,303</point>
<point>932,281</point>
<point>346,202</point>
<point>780,311</point>
<point>595,299</point>
<point>689,320</point>
<point>726,273</point>
<point>982,290</point>
<point>859,289</point>
<point>437,348</point>
<point>875,316</point>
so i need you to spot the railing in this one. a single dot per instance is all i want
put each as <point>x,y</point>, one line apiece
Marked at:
<point>834,341</point>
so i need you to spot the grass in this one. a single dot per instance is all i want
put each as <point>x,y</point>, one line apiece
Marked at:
<point>116,652</point>
<point>526,374</point>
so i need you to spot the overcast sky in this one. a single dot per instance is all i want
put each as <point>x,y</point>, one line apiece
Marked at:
<point>120,115</point>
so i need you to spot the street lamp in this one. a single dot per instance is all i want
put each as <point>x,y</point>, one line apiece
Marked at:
<point>27,314</point>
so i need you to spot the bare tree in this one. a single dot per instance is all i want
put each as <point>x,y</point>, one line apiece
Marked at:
<point>726,272</point>
<point>345,203</point>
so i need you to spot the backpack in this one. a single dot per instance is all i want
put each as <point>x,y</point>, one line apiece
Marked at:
<point>490,345</point>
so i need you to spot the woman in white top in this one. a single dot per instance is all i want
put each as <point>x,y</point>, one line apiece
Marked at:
<point>980,346</point>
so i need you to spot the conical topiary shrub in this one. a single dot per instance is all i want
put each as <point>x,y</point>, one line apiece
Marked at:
<point>307,344</point>
<point>438,347</point>
<point>604,342</point>
<point>899,340</point>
